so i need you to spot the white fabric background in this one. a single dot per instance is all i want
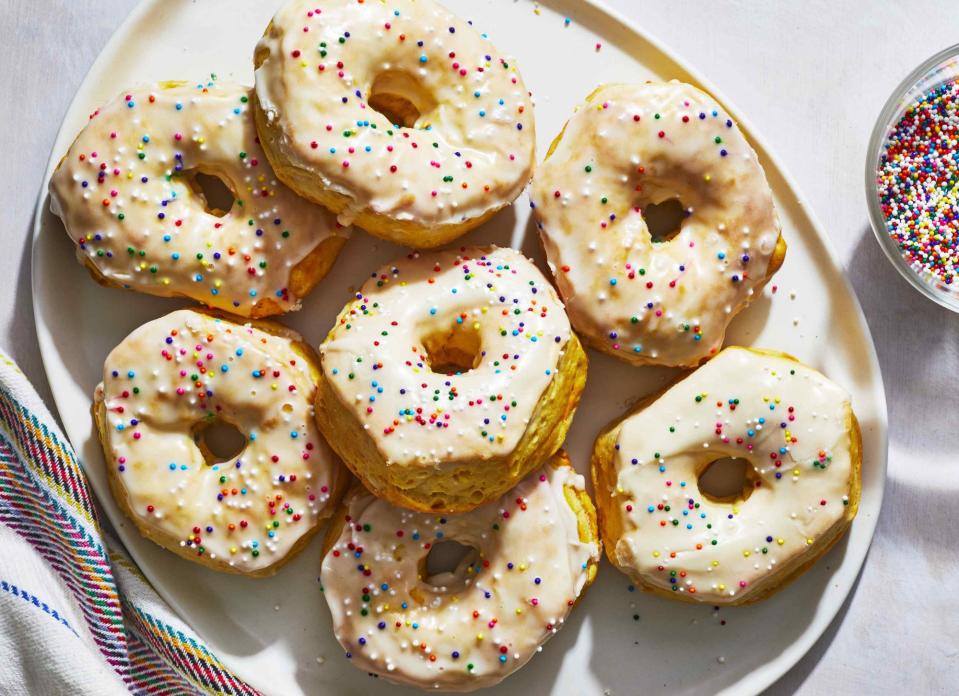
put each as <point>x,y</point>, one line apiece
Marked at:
<point>812,77</point>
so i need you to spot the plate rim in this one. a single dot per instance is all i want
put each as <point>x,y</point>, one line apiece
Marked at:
<point>752,682</point>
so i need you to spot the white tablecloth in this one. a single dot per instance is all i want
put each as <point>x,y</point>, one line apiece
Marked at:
<point>812,77</point>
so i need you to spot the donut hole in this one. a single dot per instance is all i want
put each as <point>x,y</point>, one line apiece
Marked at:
<point>219,441</point>
<point>216,194</point>
<point>453,351</point>
<point>400,97</point>
<point>728,480</point>
<point>664,220</point>
<point>447,567</point>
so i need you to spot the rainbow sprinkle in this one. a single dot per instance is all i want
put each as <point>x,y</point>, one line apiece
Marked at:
<point>918,183</point>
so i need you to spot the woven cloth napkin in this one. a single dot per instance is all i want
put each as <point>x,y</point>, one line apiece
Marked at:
<point>76,615</point>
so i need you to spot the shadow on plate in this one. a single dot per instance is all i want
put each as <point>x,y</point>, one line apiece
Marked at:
<point>669,629</point>
<point>794,678</point>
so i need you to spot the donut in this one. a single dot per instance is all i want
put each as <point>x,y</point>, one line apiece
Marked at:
<point>164,387</point>
<point>799,441</point>
<point>130,192</point>
<point>531,555</point>
<point>399,117</point>
<point>628,154</point>
<point>448,377</point>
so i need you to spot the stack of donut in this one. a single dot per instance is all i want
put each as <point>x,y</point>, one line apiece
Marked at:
<point>448,382</point>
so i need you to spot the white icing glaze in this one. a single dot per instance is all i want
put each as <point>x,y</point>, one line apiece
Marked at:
<point>187,369</point>
<point>493,612</point>
<point>471,150</point>
<point>788,421</point>
<point>124,199</point>
<point>630,146</point>
<point>375,360</point>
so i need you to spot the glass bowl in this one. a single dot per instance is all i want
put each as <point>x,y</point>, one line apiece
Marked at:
<point>937,70</point>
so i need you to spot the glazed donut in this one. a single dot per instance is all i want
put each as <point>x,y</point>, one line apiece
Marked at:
<point>533,553</point>
<point>799,438</point>
<point>397,116</point>
<point>129,194</point>
<point>171,380</point>
<point>449,377</point>
<point>630,147</point>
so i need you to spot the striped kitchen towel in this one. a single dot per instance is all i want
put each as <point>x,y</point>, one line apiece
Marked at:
<point>76,615</point>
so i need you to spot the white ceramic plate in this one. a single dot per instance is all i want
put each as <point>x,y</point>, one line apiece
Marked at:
<point>276,633</point>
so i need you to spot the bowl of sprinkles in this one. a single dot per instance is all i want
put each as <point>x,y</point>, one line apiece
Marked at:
<point>912,178</point>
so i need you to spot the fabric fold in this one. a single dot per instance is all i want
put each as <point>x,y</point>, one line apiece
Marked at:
<point>76,614</point>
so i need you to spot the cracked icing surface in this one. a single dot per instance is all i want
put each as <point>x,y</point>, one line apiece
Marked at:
<point>471,627</point>
<point>791,424</point>
<point>629,147</point>
<point>124,193</point>
<point>182,372</point>
<point>470,150</point>
<point>376,361</point>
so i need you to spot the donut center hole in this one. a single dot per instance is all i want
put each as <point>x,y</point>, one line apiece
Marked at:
<point>727,480</point>
<point>447,566</point>
<point>215,193</point>
<point>453,351</point>
<point>400,97</point>
<point>219,441</point>
<point>664,220</point>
